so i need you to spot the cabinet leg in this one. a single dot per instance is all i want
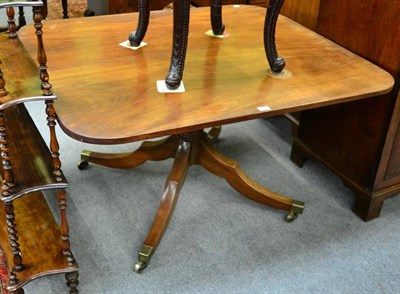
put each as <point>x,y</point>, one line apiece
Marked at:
<point>72,281</point>
<point>368,208</point>
<point>298,156</point>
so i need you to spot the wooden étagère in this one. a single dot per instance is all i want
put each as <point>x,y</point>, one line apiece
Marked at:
<point>34,244</point>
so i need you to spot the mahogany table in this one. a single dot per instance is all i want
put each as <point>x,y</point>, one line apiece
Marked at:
<point>108,95</point>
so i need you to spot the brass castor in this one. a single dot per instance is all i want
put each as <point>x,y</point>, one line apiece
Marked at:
<point>83,164</point>
<point>145,254</point>
<point>139,266</point>
<point>291,216</point>
<point>297,208</point>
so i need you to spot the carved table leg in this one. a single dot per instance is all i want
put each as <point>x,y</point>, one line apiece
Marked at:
<point>156,151</point>
<point>275,62</point>
<point>136,37</point>
<point>179,43</point>
<point>216,17</point>
<point>172,188</point>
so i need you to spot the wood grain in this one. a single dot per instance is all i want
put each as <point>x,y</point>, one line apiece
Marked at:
<point>369,36</point>
<point>41,244</point>
<point>20,72</point>
<point>305,13</point>
<point>108,93</point>
<point>30,158</point>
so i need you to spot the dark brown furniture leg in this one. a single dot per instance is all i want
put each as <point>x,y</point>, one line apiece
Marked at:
<point>181,32</point>
<point>179,43</point>
<point>298,156</point>
<point>368,208</point>
<point>44,9</point>
<point>216,17</point>
<point>65,8</point>
<point>136,37</point>
<point>21,17</point>
<point>276,63</point>
<point>188,149</point>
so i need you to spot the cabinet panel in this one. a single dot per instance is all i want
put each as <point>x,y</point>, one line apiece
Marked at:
<point>360,141</point>
<point>368,28</point>
<point>394,160</point>
<point>306,15</point>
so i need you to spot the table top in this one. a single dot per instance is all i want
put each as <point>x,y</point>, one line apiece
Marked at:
<point>107,93</point>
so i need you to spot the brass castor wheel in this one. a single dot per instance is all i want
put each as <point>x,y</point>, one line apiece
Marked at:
<point>297,208</point>
<point>291,216</point>
<point>83,164</point>
<point>145,254</point>
<point>139,266</point>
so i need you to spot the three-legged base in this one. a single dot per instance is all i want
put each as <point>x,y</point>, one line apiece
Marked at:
<point>188,149</point>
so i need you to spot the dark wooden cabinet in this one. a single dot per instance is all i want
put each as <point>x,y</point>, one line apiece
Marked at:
<point>359,141</point>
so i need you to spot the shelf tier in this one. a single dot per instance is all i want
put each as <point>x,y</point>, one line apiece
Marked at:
<point>31,160</point>
<point>20,72</point>
<point>39,239</point>
<point>19,3</point>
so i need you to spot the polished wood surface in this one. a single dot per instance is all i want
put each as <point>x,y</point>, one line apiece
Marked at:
<point>108,93</point>
<point>376,20</point>
<point>30,158</point>
<point>41,244</point>
<point>359,140</point>
<point>20,73</point>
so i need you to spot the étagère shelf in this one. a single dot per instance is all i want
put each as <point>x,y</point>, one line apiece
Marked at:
<point>34,244</point>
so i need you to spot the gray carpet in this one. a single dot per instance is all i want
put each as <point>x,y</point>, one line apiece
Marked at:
<point>219,241</point>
